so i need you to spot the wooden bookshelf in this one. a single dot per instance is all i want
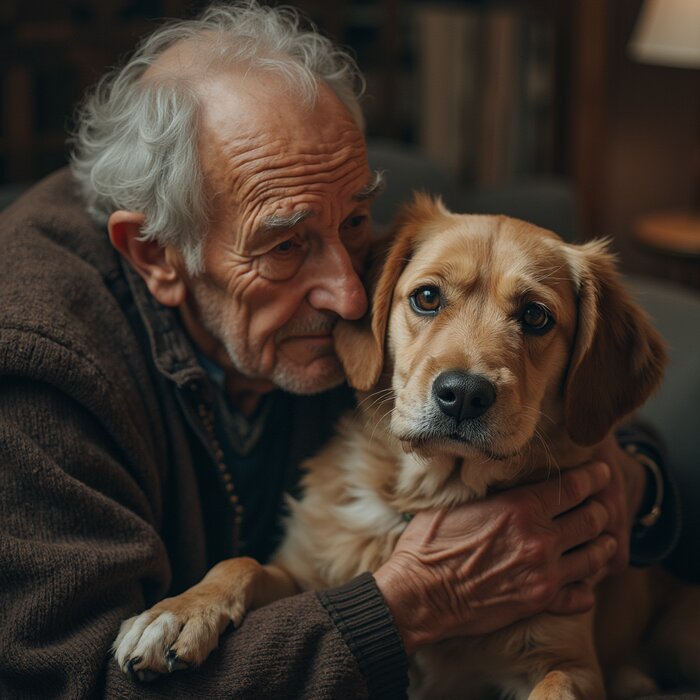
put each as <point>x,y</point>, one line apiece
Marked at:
<point>51,54</point>
<point>487,91</point>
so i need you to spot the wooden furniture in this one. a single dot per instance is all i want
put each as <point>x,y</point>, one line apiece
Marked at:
<point>670,246</point>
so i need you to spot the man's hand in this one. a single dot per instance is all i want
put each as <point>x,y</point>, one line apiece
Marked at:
<point>487,564</point>
<point>622,498</point>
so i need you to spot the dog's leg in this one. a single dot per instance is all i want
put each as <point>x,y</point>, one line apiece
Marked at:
<point>180,632</point>
<point>570,683</point>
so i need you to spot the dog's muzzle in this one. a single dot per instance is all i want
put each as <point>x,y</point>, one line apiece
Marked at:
<point>463,396</point>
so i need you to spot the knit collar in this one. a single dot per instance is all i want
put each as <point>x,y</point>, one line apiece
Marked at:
<point>173,351</point>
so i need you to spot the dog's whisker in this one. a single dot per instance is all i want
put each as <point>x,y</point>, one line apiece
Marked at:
<point>546,448</point>
<point>379,401</point>
<point>551,461</point>
<point>532,410</point>
<point>374,395</point>
<point>379,422</point>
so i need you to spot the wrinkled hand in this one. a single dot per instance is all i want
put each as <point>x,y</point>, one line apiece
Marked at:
<point>487,564</point>
<point>622,498</point>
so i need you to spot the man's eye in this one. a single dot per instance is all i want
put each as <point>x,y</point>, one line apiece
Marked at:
<point>536,318</point>
<point>355,221</point>
<point>426,300</point>
<point>285,246</point>
<point>282,261</point>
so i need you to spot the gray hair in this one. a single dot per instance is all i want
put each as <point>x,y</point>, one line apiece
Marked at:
<point>135,143</point>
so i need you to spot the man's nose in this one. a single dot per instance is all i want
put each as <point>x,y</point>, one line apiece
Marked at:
<point>339,288</point>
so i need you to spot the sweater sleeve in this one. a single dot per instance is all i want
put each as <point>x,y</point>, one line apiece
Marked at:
<point>80,551</point>
<point>652,545</point>
<point>360,613</point>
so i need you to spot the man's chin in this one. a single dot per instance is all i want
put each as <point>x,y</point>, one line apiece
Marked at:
<point>320,375</point>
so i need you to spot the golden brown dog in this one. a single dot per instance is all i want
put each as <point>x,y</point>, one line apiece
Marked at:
<point>495,353</point>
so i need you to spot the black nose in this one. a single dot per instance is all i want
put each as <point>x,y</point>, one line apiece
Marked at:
<point>462,395</point>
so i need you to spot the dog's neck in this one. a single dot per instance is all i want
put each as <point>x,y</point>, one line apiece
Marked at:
<point>417,479</point>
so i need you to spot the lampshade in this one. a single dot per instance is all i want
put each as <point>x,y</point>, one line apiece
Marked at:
<point>667,33</point>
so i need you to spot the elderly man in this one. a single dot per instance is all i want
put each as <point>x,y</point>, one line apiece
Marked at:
<point>167,361</point>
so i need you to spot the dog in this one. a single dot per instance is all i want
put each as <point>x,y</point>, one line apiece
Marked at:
<point>494,354</point>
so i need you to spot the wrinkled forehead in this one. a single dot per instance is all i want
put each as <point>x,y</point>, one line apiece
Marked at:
<point>252,117</point>
<point>261,149</point>
<point>496,254</point>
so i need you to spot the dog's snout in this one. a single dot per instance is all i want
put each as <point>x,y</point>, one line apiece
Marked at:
<point>461,395</point>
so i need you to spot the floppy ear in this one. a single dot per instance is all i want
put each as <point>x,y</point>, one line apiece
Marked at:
<point>618,356</point>
<point>360,344</point>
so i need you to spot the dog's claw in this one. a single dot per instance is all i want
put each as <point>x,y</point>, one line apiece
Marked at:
<point>130,667</point>
<point>143,674</point>
<point>175,663</point>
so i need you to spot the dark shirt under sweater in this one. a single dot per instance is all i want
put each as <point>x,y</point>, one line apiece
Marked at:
<point>254,449</point>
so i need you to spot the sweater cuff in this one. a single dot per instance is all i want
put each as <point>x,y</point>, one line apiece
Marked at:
<point>359,612</point>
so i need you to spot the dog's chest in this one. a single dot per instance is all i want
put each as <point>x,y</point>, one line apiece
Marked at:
<point>349,521</point>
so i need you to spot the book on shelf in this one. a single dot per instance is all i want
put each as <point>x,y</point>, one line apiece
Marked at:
<point>485,91</point>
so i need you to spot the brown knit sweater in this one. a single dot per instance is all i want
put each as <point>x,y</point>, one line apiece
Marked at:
<point>109,496</point>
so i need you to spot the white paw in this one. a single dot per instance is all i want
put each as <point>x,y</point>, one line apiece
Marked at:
<point>169,637</point>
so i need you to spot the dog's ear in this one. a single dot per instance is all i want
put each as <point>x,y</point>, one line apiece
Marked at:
<point>618,355</point>
<point>360,344</point>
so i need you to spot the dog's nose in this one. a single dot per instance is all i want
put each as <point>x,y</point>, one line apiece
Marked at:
<point>462,395</point>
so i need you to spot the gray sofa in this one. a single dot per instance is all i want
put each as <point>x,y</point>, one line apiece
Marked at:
<point>675,409</point>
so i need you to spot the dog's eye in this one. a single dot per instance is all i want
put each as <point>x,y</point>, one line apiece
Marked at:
<point>426,300</point>
<point>536,318</point>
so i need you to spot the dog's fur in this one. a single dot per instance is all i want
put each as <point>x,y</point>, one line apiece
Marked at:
<point>558,394</point>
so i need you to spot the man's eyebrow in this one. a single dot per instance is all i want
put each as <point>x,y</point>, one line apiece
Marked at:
<point>275,221</point>
<point>372,189</point>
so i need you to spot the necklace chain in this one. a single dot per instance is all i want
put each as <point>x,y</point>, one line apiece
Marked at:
<point>207,419</point>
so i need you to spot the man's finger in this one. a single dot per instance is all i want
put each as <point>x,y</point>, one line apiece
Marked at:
<point>587,561</point>
<point>573,487</point>
<point>572,599</point>
<point>577,597</point>
<point>581,524</point>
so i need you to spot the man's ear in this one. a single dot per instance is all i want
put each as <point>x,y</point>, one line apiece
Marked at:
<point>161,267</point>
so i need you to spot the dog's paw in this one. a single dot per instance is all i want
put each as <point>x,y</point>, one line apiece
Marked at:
<point>576,683</point>
<point>176,634</point>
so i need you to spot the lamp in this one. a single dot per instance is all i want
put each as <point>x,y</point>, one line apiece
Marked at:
<point>667,33</point>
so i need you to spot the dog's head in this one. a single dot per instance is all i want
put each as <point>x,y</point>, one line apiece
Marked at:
<point>489,330</point>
